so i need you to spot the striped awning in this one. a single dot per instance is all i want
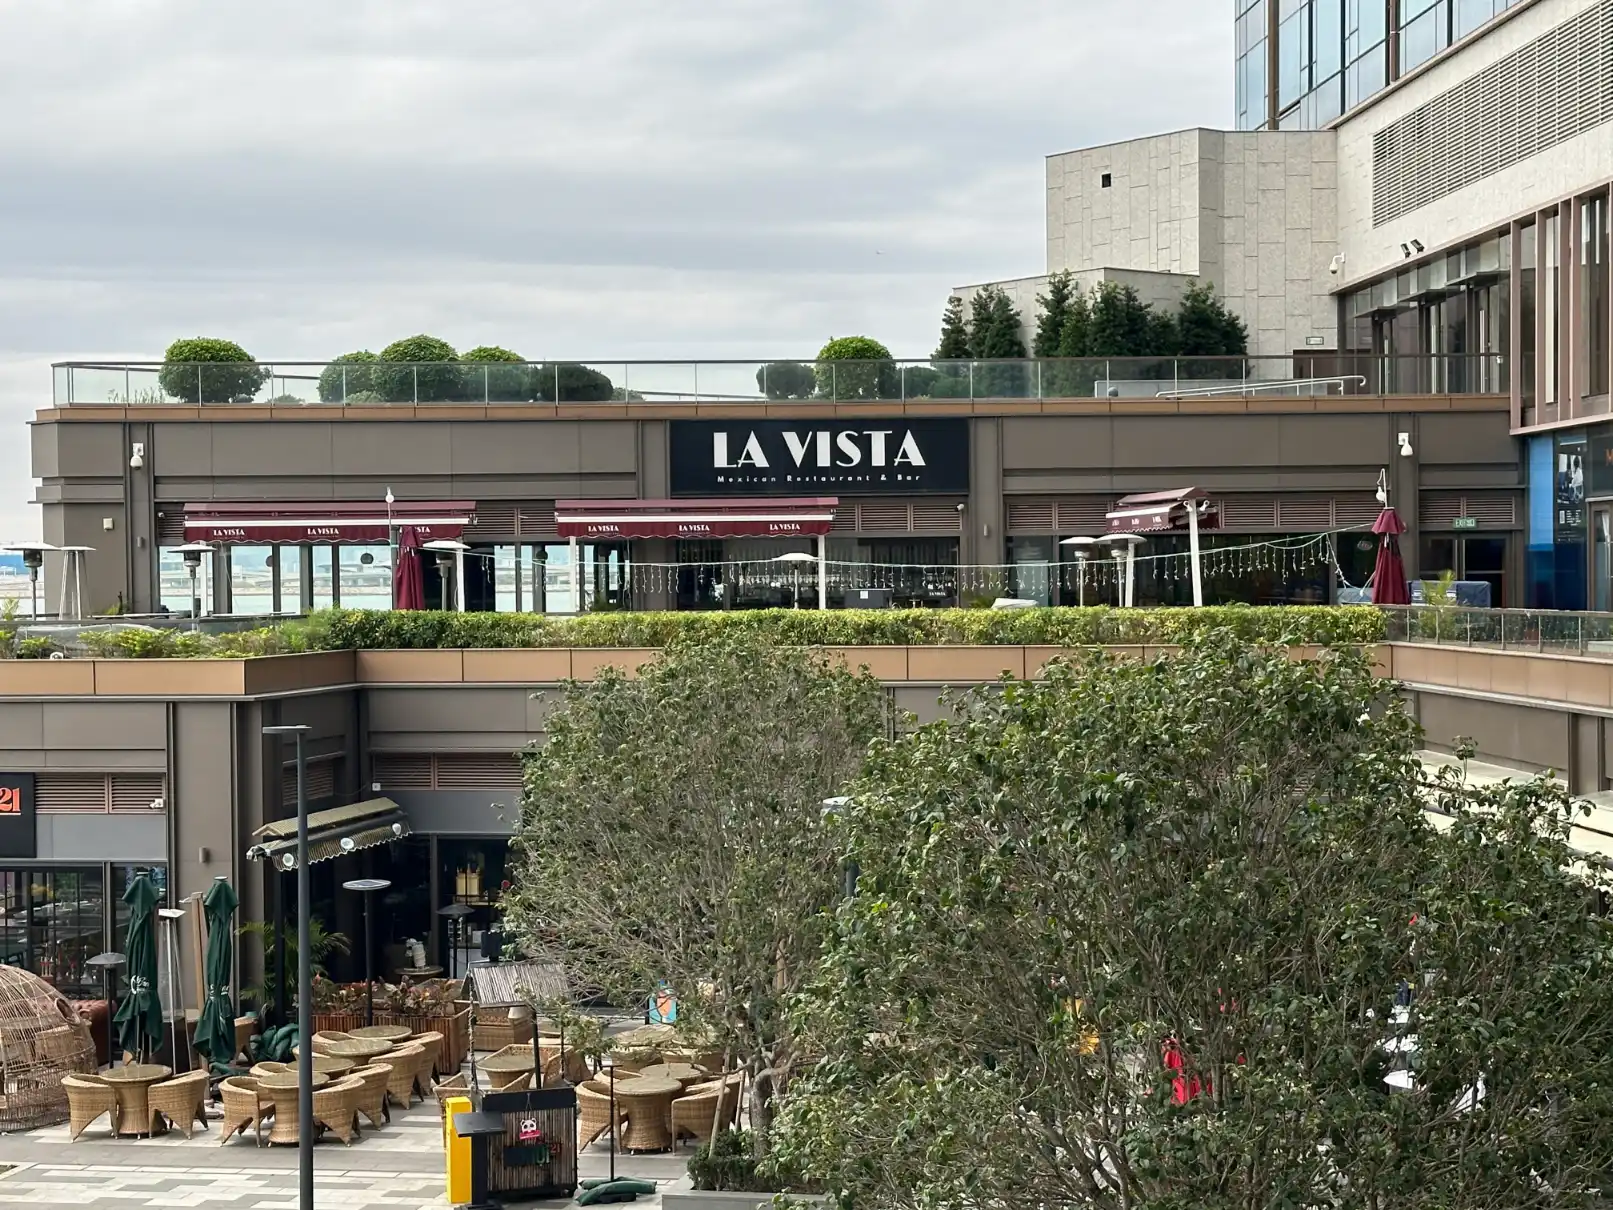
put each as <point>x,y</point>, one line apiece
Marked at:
<point>332,833</point>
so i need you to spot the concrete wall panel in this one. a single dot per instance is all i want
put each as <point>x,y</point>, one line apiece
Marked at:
<point>1053,442</point>
<point>1529,737</point>
<point>448,710</point>
<point>391,450</point>
<point>69,725</point>
<point>202,797</point>
<point>133,838</point>
<point>247,449</point>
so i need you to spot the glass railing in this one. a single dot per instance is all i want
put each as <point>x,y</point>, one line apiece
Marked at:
<point>296,384</point>
<point>1544,630</point>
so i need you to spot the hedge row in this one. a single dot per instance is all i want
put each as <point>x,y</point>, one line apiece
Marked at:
<point>365,630</point>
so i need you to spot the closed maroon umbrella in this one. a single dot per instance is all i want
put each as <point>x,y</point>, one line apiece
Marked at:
<point>1389,585</point>
<point>408,577</point>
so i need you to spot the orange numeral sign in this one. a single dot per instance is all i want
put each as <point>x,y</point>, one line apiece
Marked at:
<point>10,800</point>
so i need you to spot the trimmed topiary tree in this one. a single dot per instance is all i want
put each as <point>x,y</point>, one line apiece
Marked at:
<point>865,370</point>
<point>786,380</point>
<point>207,370</point>
<point>348,375</point>
<point>419,369</point>
<point>569,382</point>
<point>499,376</point>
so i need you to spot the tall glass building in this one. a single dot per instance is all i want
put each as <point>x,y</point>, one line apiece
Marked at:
<point>1303,63</point>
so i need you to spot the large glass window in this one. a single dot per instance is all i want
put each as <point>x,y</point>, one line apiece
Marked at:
<point>324,566</point>
<point>289,566</point>
<point>1034,568</point>
<point>365,576</point>
<point>1550,307</point>
<point>251,579</point>
<point>1251,64</point>
<point>1528,254</point>
<point>506,583</point>
<point>1595,279</point>
<point>51,922</point>
<point>1425,27</point>
<point>174,583</point>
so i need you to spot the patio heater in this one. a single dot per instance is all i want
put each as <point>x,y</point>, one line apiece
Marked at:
<point>366,887</point>
<point>176,1010</point>
<point>1124,548</point>
<point>192,553</point>
<point>108,962</point>
<point>795,558</point>
<point>451,554</point>
<point>455,914</point>
<point>33,558</point>
<point>1081,548</point>
<point>73,579</point>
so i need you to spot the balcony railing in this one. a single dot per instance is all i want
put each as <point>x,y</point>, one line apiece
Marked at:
<point>1542,630</point>
<point>298,383</point>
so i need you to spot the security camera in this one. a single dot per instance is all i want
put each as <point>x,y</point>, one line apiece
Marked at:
<point>1405,445</point>
<point>137,455</point>
<point>961,506</point>
<point>1337,265</point>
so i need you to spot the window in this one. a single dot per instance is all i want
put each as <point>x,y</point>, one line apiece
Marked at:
<point>1425,31</point>
<point>365,577</point>
<point>1034,566</point>
<point>174,583</point>
<point>1529,250</point>
<point>324,577</point>
<point>507,597</point>
<point>252,579</point>
<point>1250,73</point>
<point>289,560</point>
<point>1549,300</point>
<point>1594,302</point>
<point>51,922</point>
<point>1107,180</point>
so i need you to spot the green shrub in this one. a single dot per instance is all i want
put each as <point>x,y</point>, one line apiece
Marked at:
<point>729,1163</point>
<point>570,383</point>
<point>206,370</point>
<point>35,648</point>
<point>419,368</point>
<point>871,373</point>
<point>786,380</point>
<point>349,375</point>
<point>498,375</point>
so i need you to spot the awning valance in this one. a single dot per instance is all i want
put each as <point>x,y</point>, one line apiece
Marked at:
<point>694,518</point>
<point>1162,512</point>
<point>375,821</point>
<point>325,521</point>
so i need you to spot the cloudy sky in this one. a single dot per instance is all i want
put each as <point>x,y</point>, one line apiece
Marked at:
<point>593,179</point>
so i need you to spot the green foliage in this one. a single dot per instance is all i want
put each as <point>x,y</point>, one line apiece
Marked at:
<point>144,644</point>
<point>35,648</point>
<point>729,1162</point>
<point>321,946</point>
<point>786,380</point>
<point>419,367</point>
<point>1226,848</point>
<point>871,374</point>
<point>994,338</point>
<point>571,383</point>
<point>498,375</point>
<point>954,344</point>
<point>1206,328</point>
<point>1055,309</point>
<point>1122,325</point>
<point>347,376</point>
<point>206,370</point>
<point>711,869</point>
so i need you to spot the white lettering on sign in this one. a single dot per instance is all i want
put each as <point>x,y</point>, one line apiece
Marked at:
<point>828,449</point>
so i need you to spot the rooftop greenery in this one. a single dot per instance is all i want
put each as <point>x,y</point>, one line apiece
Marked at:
<point>375,630</point>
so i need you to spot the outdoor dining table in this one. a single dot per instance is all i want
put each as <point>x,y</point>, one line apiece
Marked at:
<point>502,1069</point>
<point>282,1090</point>
<point>382,1033</point>
<point>330,1065</point>
<point>684,1073</point>
<point>360,1050</point>
<point>648,1104</point>
<point>133,1082</point>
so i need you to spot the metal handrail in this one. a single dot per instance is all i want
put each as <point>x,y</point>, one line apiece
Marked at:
<point>1251,388</point>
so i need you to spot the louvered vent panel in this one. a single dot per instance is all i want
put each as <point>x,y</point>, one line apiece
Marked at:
<point>537,520</point>
<point>1439,510</point>
<point>1355,509</point>
<point>1254,514</point>
<point>136,791</point>
<point>1492,508</point>
<point>1302,513</point>
<point>937,517</point>
<point>494,520</point>
<point>1084,516</point>
<point>882,518</point>
<point>171,525</point>
<point>1032,517</point>
<point>56,792</point>
<point>402,770</point>
<point>1542,94</point>
<point>320,781</point>
<point>478,771</point>
<point>845,519</point>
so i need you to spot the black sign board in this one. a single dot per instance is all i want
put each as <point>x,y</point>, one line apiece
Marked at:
<point>18,831</point>
<point>849,457</point>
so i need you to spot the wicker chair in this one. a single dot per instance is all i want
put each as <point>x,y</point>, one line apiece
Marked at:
<point>405,1064</point>
<point>244,1105</point>
<point>182,1100</point>
<point>447,1090</point>
<point>432,1043</point>
<point>593,1113</point>
<point>635,1060</point>
<point>87,1099</point>
<point>245,1027</point>
<point>694,1111</point>
<point>336,1108</point>
<point>372,1099</point>
<point>325,1037</point>
<point>509,1081</point>
<point>271,1068</point>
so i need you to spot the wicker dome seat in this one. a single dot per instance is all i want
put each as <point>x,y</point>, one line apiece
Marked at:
<point>42,1039</point>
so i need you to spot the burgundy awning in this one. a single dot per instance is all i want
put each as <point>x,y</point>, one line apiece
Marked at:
<point>694,518</point>
<point>325,521</point>
<point>1163,512</point>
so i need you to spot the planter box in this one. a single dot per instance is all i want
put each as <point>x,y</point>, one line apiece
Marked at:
<point>706,1199</point>
<point>455,1030</point>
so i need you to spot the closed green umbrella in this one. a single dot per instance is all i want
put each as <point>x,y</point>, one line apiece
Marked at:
<point>215,1031</point>
<point>139,1017</point>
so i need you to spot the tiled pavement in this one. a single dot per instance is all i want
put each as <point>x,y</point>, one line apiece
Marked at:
<point>95,1186</point>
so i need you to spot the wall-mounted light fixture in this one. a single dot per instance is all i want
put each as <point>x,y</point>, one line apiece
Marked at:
<point>1405,445</point>
<point>137,455</point>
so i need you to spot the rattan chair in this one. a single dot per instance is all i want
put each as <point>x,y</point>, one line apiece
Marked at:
<point>509,1081</point>
<point>405,1064</point>
<point>182,1100</point>
<point>447,1090</point>
<point>593,1113</point>
<point>244,1105</point>
<point>245,1027</point>
<point>336,1108</point>
<point>372,1100</point>
<point>694,1112</point>
<point>271,1068</point>
<point>326,1037</point>
<point>87,1099</point>
<point>432,1043</point>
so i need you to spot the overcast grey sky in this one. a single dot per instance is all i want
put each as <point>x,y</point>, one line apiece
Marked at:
<point>593,179</point>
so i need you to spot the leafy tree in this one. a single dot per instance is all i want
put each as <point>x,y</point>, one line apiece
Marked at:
<point>1205,327</point>
<point>569,382</point>
<point>500,376</point>
<point>672,833</point>
<point>871,373</point>
<point>786,380</point>
<point>954,344</point>
<point>1121,324</point>
<point>1068,376</point>
<point>1131,936</point>
<point>1053,314</point>
<point>994,336</point>
<point>207,370</point>
<point>419,368</point>
<point>347,376</point>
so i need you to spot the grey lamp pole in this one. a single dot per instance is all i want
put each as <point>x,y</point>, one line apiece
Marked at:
<point>455,914</point>
<point>305,979</point>
<point>367,887</point>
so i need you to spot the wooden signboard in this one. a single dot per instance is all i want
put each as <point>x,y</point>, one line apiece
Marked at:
<point>537,1157</point>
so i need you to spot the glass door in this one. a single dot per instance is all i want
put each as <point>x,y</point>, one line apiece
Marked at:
<point>1602,559</point>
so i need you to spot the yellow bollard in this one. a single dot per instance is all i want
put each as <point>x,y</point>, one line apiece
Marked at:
<point>457,1153</point>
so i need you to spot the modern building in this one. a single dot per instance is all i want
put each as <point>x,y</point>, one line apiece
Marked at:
<point>1420,197</point>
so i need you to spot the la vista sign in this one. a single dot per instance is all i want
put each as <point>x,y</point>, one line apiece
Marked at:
<point>794,458</point>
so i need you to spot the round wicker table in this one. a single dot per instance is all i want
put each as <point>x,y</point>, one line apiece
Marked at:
<point>282,1089</point>
<point>648,1105</point>
<point>132,1082</point>
<point>502,1070</point>
<point>360,1050</point>
<point>684,1073</point>
<point>382,1033</point>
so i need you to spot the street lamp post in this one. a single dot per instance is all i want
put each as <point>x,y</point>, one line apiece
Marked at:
<point>192,553</point>
<point>108,962</point>
<point>367,887</point>
<point>305,977</point>
<point>455,914</point>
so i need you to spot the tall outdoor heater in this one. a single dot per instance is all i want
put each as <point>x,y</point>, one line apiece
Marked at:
<point>795,558</point>
<point>305,976</point>
<point>455,914</point>
<point>33,558</point>
<point>367,887</point>
<point>176,1010</point>
<point>451,554</point>
<point>109,963</point>
<point>192,553</point>
<point>1082,550</point>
